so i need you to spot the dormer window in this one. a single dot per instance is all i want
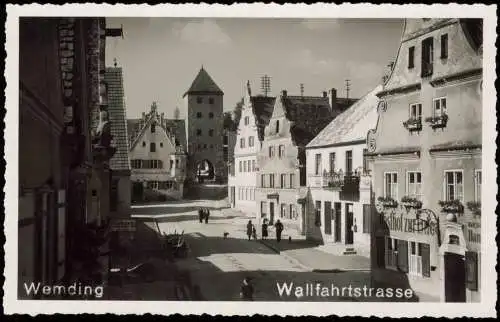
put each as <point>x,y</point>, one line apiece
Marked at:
<point>247,120</point>
<point>153,128</point>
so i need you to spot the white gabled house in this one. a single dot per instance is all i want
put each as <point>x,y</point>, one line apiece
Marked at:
<point>338,179</point>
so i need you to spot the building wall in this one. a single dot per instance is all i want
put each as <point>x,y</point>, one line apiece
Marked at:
<point>205,147</point>
<point>166,152</point>
<point>287,165</point>
<point>361,240</point>
<point>457,146</point>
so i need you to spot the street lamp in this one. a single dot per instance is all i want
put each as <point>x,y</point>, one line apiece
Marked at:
<point>425,216</point>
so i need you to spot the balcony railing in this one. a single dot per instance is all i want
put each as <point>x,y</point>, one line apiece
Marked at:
<point>349,181</point>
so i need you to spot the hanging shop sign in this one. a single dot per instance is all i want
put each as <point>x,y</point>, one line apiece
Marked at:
<point>404,224</point>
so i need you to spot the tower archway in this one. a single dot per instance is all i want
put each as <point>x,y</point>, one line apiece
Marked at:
<point>205,170</point>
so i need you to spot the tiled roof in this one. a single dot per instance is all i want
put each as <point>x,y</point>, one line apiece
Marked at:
<point>203,84</point>
<point>262,109</point>
<point>308,114</point>
<point>170,126</point>
<point>117,117</point>
<point>351,125</point>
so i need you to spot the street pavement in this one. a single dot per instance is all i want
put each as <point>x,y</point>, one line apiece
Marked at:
<point>217,265</point>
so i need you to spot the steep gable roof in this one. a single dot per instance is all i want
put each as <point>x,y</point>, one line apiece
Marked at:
<point>117,117</point>
<point>173,128</point>
<point>262,108</point>
<point>353,124</point>
<point>203,84</point>
<point>308,114</point>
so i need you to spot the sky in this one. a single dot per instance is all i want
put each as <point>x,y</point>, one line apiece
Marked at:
<point>160,57</point>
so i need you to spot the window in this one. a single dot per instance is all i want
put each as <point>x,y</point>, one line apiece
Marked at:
<point>263,181</point>
<point>253,165</point>
<point>204,146</point>
<point>411,57</point>
<point>439,106</point>
<point>317,218</point>
<point>143,143</point>
<point>366,218</point>
<point>317,165</point>
<point>427,56</point>
<point>199,100</point>
<point>153,128</point>
<point>263,208</point>
<point>171,164</point>
<point>365,161</point>
<point>281,151</point>
<point>153,185</point>
<point>241,166</point>
<point>348,162</point>
<point>415,111</point>
<point>332,162</point>
<point>247,120</point>
<point>271,151</point>
<point>198,115</point>
<point>211,100</point>
<point>198,132</point>
<point>283,210</point>
<point>211,132</point>
<point>152,147</point>
<point>391,249</point>
<point>391,185</point>
<point>415,259</point>
<point>242,143</point>
<point>444,46</point>
<point>211,115</point>
<point>414,188</point>
<point>477,184</point>
<point>136,164</point>
<point>161,144</point>
<point>211,146</point>
<point>251,141</point>
<point>245,166</point>
<point>283,181</point>
<point>277,126</point>
<point>292,178</point>
<point>454,189</point>
<point>225,140</point>
<point>271,180</point>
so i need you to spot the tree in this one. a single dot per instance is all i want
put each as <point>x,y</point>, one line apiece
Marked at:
<point>228,122</point>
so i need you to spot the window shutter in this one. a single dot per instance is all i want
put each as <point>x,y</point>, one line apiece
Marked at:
<point>426,259</point>
<point>471,266</point>
<point>366,219</point>
<point>403,255</point>
<point>387,254</point>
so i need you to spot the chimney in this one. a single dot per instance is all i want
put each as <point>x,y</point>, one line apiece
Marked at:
<point>333,99</point>
<point>325,94</point>
<point>283,93</point>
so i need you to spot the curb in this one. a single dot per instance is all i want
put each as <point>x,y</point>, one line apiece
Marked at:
<point>288,257</point>
<point>310,269</point>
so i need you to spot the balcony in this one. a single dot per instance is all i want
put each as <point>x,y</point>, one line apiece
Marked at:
<point>331,180</point>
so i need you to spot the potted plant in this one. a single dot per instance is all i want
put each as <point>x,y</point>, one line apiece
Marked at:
<point>451,206</point>
<point>387,202</point>
<point>474,207</point>
<point>410,202</point>
<point>413,124</point>
<point>437,121</point>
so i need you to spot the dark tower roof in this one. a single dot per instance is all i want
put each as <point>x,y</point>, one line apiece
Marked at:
<point>203,84</point>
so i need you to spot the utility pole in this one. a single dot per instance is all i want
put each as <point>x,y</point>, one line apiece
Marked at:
<point>265,84</point>
<point>347,87</point>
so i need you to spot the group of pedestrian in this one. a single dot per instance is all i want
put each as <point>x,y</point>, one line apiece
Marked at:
<point>252,232</point>
<point>203,214</point>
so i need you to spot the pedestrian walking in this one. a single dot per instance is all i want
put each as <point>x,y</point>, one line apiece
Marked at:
<point>200,214</point>
<point>279,229</point>
<point>249,229</point>
<point>246,292</point>
<point>207,214</point>
<point>264,229</point>
<point>254,232</point>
